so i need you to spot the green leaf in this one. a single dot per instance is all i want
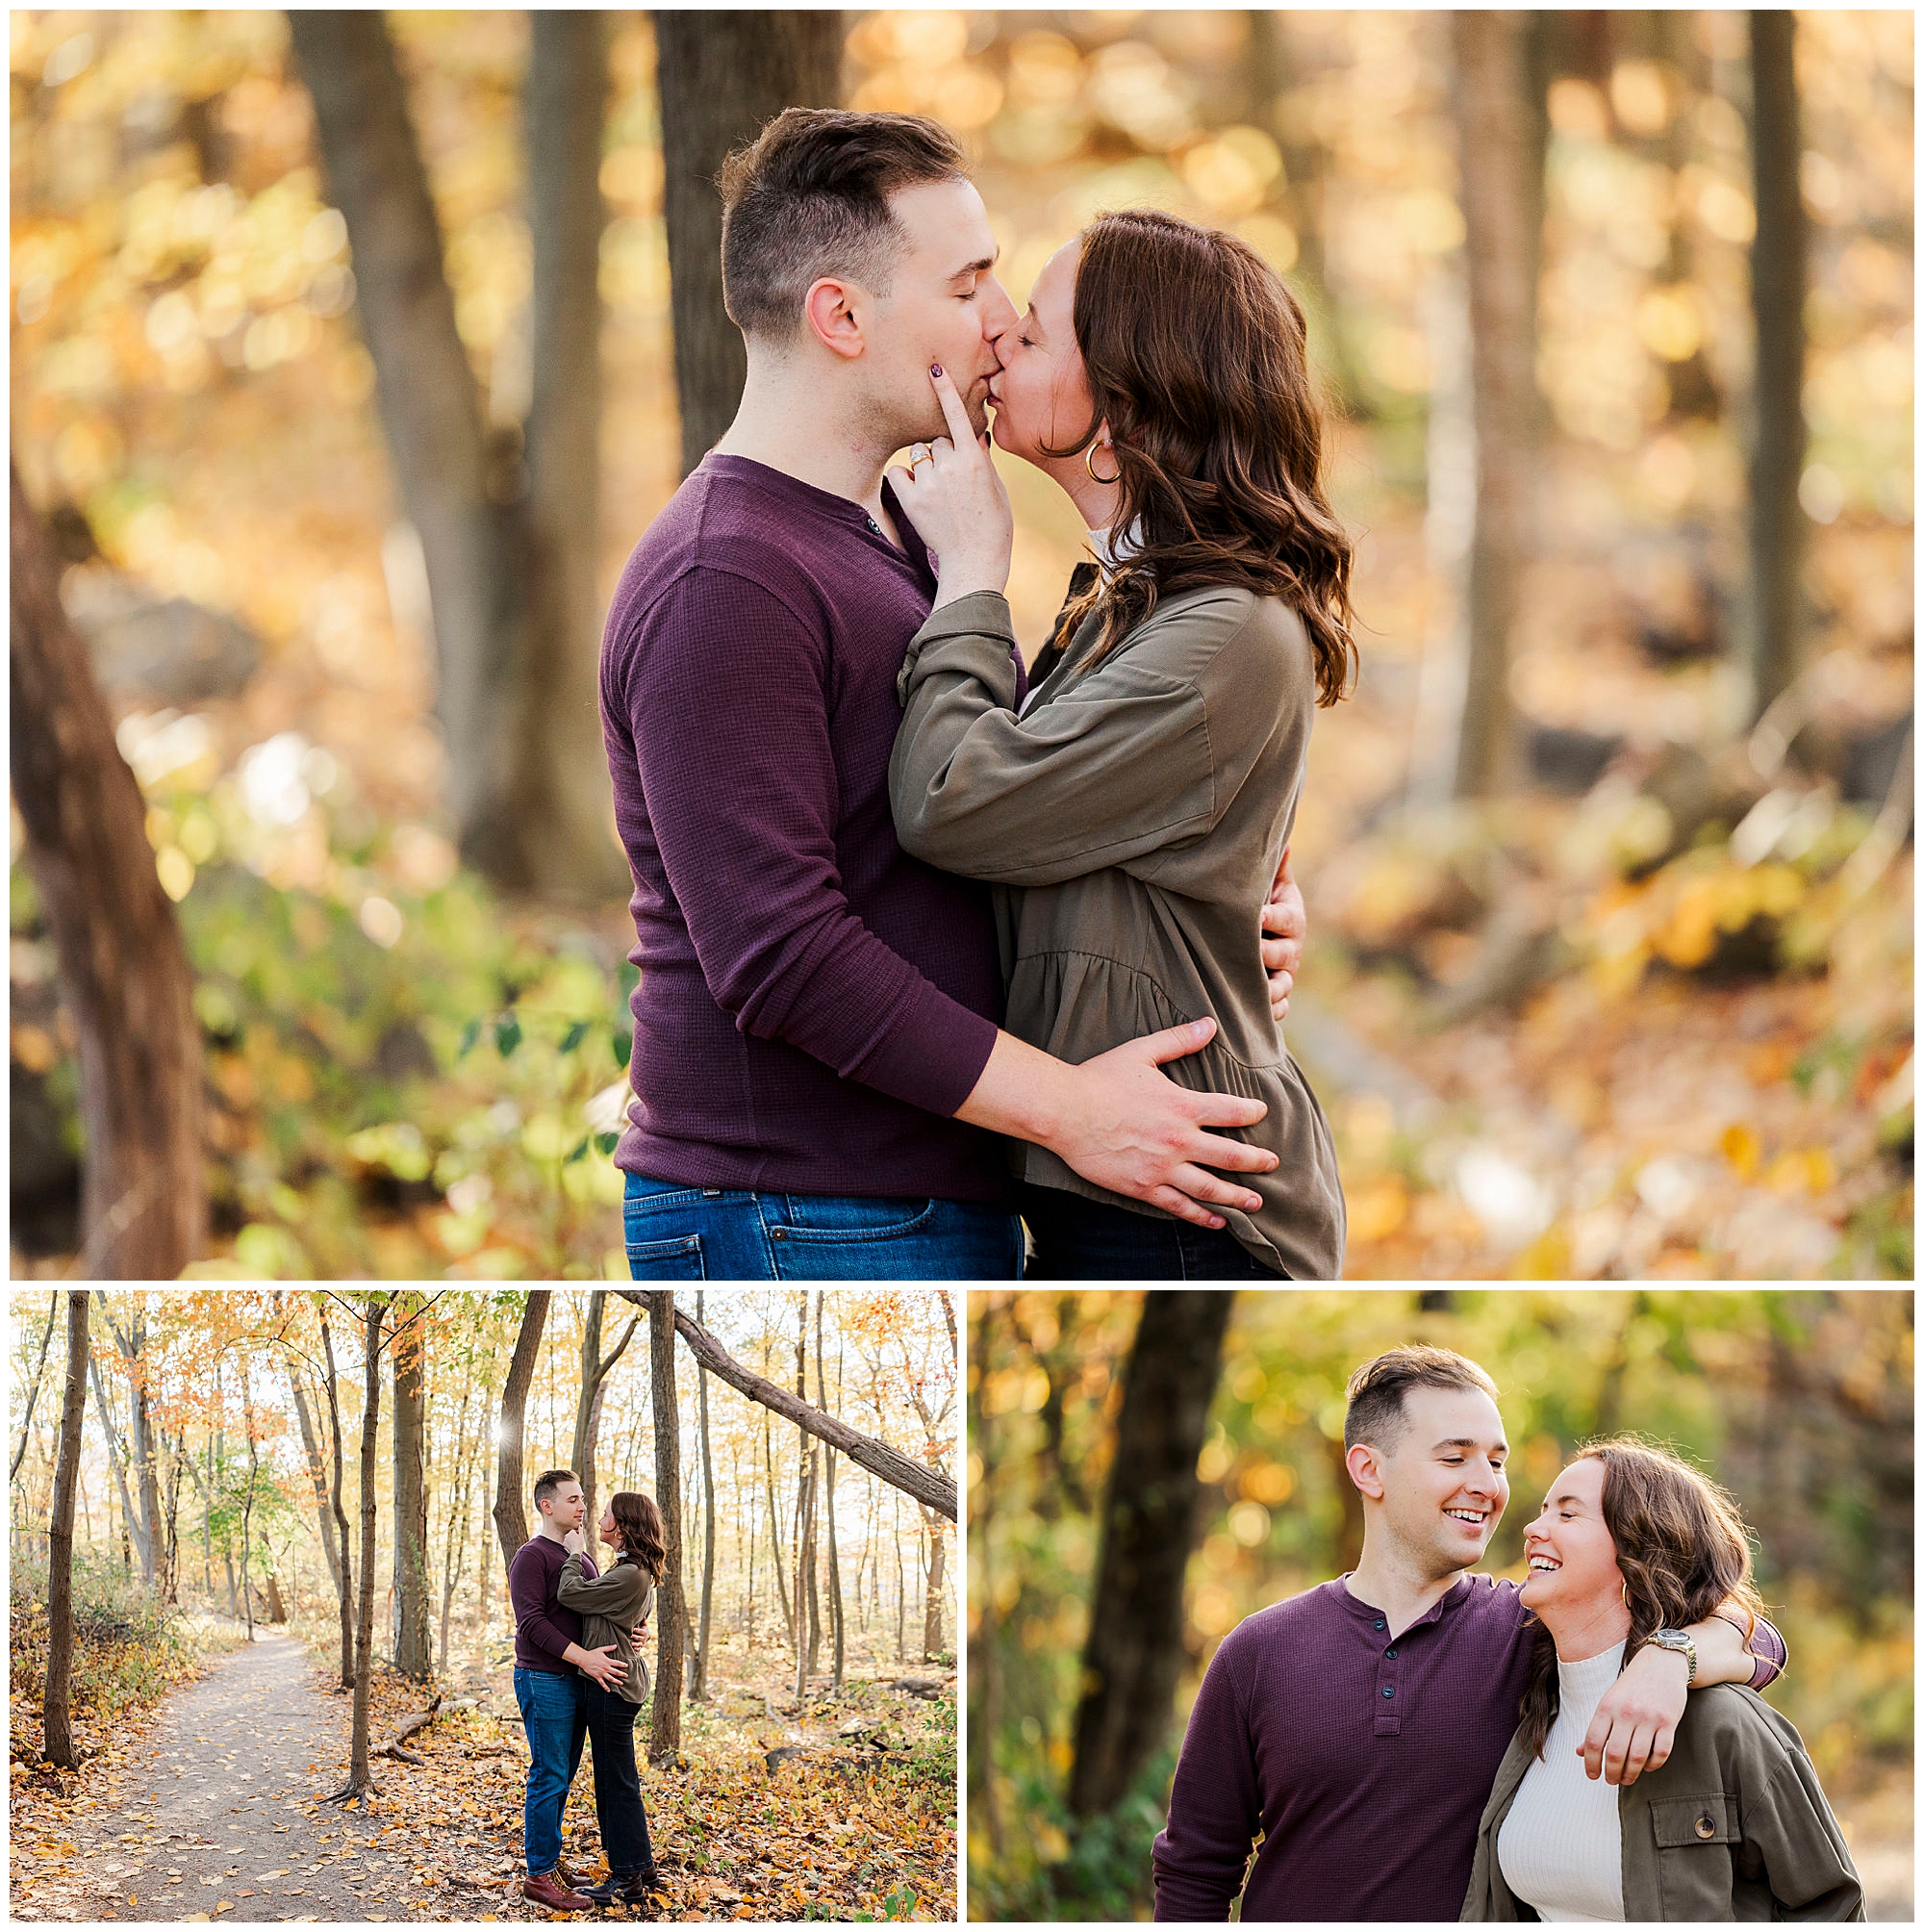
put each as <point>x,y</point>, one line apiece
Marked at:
<point>470,1034</point>
<point>577,1152</point>
<point>624,1045</point>
<point>507,1035</point>
<point>606,1143</point>
<point>575,1035</point>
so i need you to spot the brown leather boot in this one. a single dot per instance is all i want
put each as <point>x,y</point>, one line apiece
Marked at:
<point>547,1889</point>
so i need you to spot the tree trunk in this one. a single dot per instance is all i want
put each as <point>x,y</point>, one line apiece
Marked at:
<point>595,1372</point>
<point>511,1515</point>
<point>473,542</point>
<point>720,76</point>
<point>932,1645</point>
<point>360,1774</point>
<point>175,1461</point>
<point>247,1504</point>
<point>116,1457</point>
<point>1493,130</point>
<point>454,1547</point>
<point>481,1599</point>
<point>928,1487</point>
<point>123,972</point>
<point>146,1470</point>
<point>345,1583</point>
<point>1777,280</point>
<point>804,1538</point>
<point>413,1655</point>
<point>316,1475</point>
<point>698,1689</point>
<point>34,1392</point>
<point>560,781</point>
<point>1135,1652</point>
<point>804,1507</point>
<point>56,1716</point>
<point>774,1528</point>
<point>828,1494</point>
<point>664,1732</point>
<point>506,571</point>
<point>984,1689</point>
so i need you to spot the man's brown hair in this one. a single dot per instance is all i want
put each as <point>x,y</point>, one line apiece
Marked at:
<point>810,197</point>
<point>1377,1390</point>
<point>549,1482</point>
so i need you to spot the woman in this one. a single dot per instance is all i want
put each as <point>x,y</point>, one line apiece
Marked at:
<point>1134,810</point>
<point>1632,1542</point>
<point>613,1608</point>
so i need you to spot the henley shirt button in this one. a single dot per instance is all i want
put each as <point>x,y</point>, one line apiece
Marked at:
<point>1391,1651</point>
<point>1377,1625</point>
<point>1389,1689</point>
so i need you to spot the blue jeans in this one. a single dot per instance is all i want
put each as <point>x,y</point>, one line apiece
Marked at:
<point>556,1716</point>
<point>678,1234</point>
<point>1077,1239</point>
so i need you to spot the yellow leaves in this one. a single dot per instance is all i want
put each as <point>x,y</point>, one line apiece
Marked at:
<point>1741,1148</point>
<point>1378,1208</point>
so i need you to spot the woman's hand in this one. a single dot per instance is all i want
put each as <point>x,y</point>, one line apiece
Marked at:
<point>1285,924</point>
<point>574,1543</point>
<point>956,502</point>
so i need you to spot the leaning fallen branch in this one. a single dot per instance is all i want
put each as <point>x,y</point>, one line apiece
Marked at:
<point>390,1748</point>
<point>928,1487</point>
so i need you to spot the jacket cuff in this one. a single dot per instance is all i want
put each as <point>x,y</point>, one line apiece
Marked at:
<point>983,614</point>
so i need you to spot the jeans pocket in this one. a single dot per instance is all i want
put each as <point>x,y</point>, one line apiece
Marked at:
<point>807,1217</point>
<point>676,1259</point>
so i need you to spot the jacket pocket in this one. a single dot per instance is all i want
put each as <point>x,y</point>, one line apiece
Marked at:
<point>1694,1837</point>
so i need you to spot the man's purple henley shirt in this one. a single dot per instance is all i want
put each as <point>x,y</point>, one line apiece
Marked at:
<point>543,1629</point>
<point>814,1004</point>
<point>1365,1761</point>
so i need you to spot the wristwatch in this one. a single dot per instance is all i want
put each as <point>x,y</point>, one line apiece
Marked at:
<point>1680,1641</point>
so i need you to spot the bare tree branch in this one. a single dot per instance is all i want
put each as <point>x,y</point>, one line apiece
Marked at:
<point>928,1487</point>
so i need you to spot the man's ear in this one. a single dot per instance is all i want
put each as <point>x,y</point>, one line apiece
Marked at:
<point>1364,1464</point>
<point>832,309</point>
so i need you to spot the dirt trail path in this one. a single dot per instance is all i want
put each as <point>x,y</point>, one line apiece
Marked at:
<point>211,1825</point>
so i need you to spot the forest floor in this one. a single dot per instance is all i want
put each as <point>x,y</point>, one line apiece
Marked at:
<point>209,1805</point>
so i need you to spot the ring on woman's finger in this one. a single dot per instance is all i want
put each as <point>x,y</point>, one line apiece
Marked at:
<point>918,455</point>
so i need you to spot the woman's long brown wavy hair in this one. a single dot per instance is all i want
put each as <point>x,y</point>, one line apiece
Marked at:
<point>1682,1547</point>
<point>640,1524</point>
<point>1197,357</point>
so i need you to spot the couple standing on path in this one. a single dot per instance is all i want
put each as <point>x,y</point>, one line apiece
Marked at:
<point>579,1674</point>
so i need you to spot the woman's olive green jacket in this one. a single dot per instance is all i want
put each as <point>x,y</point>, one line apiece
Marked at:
<point>1132,816</point>
<point>612,1606</point>
<point>1733,1827</point>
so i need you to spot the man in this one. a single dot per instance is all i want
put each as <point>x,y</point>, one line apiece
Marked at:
<point>817,1071</point>
<point>547,1653</point>
<point>1358,1727</point>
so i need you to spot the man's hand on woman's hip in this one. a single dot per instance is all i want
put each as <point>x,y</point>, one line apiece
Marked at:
<point>1122,1123</point>
<point>604,1664</point>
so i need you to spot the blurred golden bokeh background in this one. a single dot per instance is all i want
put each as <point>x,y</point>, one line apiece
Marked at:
<point>1643,1008</point>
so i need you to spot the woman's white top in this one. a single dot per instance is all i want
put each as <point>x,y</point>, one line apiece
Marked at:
<point>1561,1846</point>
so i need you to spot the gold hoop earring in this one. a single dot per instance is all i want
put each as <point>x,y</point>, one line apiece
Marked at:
<point>1089,464</point>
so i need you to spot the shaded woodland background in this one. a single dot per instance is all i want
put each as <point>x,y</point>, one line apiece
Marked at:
<point>1607,862</point>
<point>800,1740</point>
<point>1228,1410</point>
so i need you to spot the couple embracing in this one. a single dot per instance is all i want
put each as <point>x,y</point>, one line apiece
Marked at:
<point>932,945</point>
<point>579,1676</point>
<point>1413,1740</point>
